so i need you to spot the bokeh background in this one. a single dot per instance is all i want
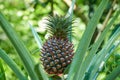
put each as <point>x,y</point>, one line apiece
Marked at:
<point>21,12</point>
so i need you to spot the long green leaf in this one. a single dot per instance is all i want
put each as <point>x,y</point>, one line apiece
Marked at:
<point>71,9</point>
<point>70,14</point>
<point>19,46</point>
<point>2,72</point>
<point>84,43</point>
<point>12,65</point>
<point>113,75</point>
<point>86,63</point>
<point>37,38</point>
<point>113,47</point>
<point>39,70</point>
<point>101,55</point>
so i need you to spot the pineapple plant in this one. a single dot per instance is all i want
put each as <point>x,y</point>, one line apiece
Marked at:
<point>57,52</point>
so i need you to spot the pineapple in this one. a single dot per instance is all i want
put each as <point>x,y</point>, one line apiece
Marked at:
<point>57,52</point>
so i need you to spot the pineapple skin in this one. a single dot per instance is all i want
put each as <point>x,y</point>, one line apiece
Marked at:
<point>57,52</point>
<point>56,55</point>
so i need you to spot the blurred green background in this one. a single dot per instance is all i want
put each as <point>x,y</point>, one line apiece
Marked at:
<point>21,12</point>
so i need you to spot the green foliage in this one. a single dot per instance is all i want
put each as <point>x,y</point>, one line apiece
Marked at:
<point>92,52</point>
<point>36,36</point>
<point>97,61</point>
<point>12,65</point>
<point>81,50</point>
<point>2,72</point>
<point>59,26</point>
<point>19,46</point>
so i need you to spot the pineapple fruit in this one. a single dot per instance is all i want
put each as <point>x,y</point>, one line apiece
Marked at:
<point>57,52</point>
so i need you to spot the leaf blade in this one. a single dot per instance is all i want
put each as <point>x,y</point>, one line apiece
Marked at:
<point>36,37</point>
<point>12,65</point>
<point>84,43</point>
<point>103,53</point>
<point>70,14</point>
<point>2,72</point>
<point>92,52</point>
<point>19,46</point>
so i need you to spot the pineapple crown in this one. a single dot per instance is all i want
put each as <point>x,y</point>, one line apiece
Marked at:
<point>59,26</point>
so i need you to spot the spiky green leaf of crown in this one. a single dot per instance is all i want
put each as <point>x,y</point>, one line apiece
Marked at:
<point>59,26</point>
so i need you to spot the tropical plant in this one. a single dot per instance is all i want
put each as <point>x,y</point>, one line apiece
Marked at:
<point>88,60</point>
